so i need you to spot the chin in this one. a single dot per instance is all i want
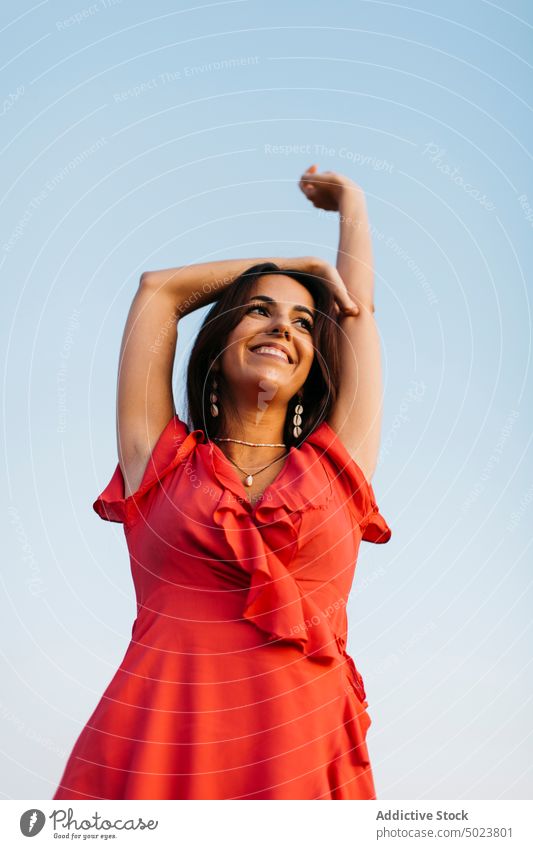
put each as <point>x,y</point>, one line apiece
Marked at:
<point>273,371</point>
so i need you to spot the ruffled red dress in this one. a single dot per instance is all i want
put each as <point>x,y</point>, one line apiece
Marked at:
<point>236,683</point>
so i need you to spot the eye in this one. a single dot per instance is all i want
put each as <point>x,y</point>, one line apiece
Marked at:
<point>307,324</point>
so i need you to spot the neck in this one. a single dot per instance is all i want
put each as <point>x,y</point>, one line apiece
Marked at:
<point>257,427</point>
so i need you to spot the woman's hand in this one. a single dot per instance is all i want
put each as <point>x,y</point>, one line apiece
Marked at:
<point>344,303</point>
<point>326,190</point>
<point>330,277</point>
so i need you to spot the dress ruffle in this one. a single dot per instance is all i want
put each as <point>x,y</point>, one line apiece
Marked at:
<point>360,496</point>
<point>174,444</point>
<point>275,603</point>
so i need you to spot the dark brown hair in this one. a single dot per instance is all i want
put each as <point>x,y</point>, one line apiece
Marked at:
<point>319,390</point>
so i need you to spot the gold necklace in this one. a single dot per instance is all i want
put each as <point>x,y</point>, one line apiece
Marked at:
<point>243,442</point>
<point>249,478</point>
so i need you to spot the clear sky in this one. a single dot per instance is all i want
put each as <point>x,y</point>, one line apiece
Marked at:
<point>140,136</point>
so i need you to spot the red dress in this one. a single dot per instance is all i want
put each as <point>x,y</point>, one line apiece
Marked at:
<point>236,683</point>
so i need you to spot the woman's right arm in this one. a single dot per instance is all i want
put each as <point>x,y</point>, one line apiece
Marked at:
<point>194,286</point>
<point>145,402</point>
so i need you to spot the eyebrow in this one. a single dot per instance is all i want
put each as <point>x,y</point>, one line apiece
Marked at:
<point>298,307</point>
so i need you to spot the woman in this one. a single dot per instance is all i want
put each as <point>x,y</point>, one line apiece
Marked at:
<point>243,529</point>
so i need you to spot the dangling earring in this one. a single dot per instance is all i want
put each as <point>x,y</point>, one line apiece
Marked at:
<point>213,397</point>
<point>297,419</point>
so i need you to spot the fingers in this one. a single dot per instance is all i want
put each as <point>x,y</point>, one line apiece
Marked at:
<point>308,189</point>
<point>348,306</point>
<point>309,171</point>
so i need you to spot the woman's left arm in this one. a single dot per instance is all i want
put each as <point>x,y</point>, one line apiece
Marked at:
<point>356,415</point>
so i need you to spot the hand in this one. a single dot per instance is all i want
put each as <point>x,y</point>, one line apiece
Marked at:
<point>326,190</point>
<point>344,303</point>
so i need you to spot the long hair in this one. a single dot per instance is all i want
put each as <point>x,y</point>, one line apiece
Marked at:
<point>320,389</point>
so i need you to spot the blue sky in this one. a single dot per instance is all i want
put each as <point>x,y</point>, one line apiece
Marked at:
<point>135,139</point>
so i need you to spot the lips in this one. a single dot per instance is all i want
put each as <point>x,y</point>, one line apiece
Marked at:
<point>271,351</point>
<point>276,346</point>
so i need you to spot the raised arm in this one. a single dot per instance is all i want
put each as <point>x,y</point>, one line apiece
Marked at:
<point>356,415</point>
<point>145,402</point>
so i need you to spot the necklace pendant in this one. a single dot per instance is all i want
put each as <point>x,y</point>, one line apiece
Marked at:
<point>249,480</point>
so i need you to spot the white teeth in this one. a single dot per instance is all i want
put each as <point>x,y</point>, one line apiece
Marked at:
<point>276,351</point>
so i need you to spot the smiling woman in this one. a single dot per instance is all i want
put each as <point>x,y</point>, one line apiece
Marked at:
<point>243,527</point>
<point>266,304</point>
<point>235,353</point>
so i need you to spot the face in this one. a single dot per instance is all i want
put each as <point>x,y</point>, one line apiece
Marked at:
<point>284,323</point>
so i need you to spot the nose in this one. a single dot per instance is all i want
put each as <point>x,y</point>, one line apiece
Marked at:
<point>281,327</point>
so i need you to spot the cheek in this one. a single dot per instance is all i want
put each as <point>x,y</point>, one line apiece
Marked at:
<point>307,354</point>
<point>236,342</point>
<point>240,334</point>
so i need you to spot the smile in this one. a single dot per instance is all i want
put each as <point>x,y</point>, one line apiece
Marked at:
<point>266,351</point>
